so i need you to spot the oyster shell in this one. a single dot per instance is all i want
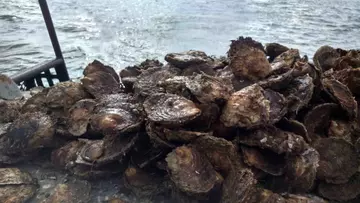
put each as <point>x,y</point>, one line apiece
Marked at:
<point>349,77</point>
<point>342,95</point>
<point>248,60</point>
<point>16,185</point>
<point>10,110</point>
<point>185,59</point>
<point>295,127</point>
<point>275,140</point>
<point>97,66</point>
<point>191,172</point>
<point>147,82</point>
<point>65,94</point>
<point>274,49</point>
<point>285,61</point>
<point>170,109</point>
<point>9,89</point>
<point>340,129</point>
<point>79,116</point>
<point>238,186</point>
<point>221,153</point>
<point>338,160</point>
<point>25,136</point>
<point>101,83</point>
<point>253,107</point>
<point>341,192</point>
<point>318,118</point>
<point>291,198</point>
<point>325,58</point>
<point>264,160</point>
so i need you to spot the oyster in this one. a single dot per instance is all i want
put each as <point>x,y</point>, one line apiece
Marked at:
<point>317,119</point>
<point>16,185</point>
<point>186,59</point>
<point>92,159</point>
<point>129,74</point>
<point>10,110</point>
<point>341,95</point>
<point>325,58</point>
<point>147,82</point>
<point>204,88</point>
<point>25,136</point>
<point>341,192</point>
<point>295,127</point>
<point>101,83</point>
<point>221,153</point>
<point>349,77</point>
<point>285,61</point>
<point>340,129</point>
<point>237,82</point>
<point>275,140</point>
<point>191,173</point>
<point>36,103</point>
<point>75,191</point>
<point>299,93</point>
<point>252,107</point>
<point>113,121</point>
<point>170,109</point>
<point>65,94</point>
<point>274,49</point>
<point>265,160</point>
<point>97,66</point>
<point>238,186</point>
<point>248,60</point>
<point>338,160</point>
<point>79,116</point>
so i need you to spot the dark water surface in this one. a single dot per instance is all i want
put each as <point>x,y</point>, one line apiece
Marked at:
<point>126,32</point>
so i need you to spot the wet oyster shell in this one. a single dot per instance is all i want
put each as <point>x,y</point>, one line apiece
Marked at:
<point>10,110</point>
<point>79,116</point>
<point>299,93</point>
<point>248,60</point>
<point>264,160</point>
<point>76,191</point>
<point>26,135</point>
<point>325,58</point>
<point>342,95</point>
<point>114,121</point>
<point>338,160</point>
<point>341,192</point>
<point>237,82</point>
<point>97,66</point>
<point>295,127</point>
<point>252,107</point>
<point>16,185</point>
<point>170,109</point>
<point>65,94</point>
<point>318,118</point>
<point>147,82</point>
<point>191,172</point>
<point>340,129</point>
<point>185,59</point>
<point>275,140</point>
<point>349,77</point>
<point>274,49</point>
<point>101,83</point>
<point>238,186</point>
<point>285,61</point>
<point>221,153</point>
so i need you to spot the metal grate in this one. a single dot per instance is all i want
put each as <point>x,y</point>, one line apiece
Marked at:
<point>34,76</point>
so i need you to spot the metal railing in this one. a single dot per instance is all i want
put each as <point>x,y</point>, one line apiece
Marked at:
<point>32,77</point>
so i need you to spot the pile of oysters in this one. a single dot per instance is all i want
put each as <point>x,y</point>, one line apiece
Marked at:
<point>262,125</point>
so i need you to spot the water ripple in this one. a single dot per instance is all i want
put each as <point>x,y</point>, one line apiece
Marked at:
<point>126,32</point>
